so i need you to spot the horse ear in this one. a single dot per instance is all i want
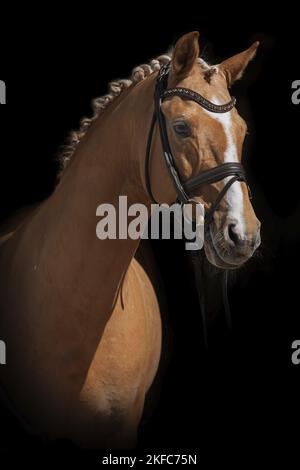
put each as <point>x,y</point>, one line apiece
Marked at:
<point>185,53</point>
<point>234,67</point>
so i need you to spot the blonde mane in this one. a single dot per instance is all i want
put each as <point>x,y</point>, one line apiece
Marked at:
<point>99,105</point>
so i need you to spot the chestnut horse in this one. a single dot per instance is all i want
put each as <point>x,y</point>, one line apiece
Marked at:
<point>79,315</point>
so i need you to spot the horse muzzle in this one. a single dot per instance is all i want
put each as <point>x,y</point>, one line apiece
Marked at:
<point>231,246</point>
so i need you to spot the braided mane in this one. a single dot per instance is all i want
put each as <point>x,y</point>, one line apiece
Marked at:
<point>99,105</point>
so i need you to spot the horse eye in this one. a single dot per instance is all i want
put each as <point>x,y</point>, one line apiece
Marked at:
<point>182,129</point>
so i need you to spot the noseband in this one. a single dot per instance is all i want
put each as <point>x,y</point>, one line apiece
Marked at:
<point>187,190</point>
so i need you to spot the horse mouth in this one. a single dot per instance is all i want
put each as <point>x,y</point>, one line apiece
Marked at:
<point>214,254</point>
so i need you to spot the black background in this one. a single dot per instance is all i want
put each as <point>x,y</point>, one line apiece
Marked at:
<point>243,395</point>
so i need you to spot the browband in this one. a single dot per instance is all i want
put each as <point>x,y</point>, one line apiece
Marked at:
<point>199,99</point>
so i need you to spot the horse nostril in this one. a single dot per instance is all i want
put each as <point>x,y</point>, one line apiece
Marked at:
<point>233,234</point>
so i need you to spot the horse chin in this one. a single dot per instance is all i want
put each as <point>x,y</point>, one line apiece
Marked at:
<point>214,257</point>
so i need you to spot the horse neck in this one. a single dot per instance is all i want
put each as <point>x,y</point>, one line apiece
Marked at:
<point>106,165</point>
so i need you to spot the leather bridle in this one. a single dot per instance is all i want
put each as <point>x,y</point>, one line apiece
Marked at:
<point>187,190</point>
